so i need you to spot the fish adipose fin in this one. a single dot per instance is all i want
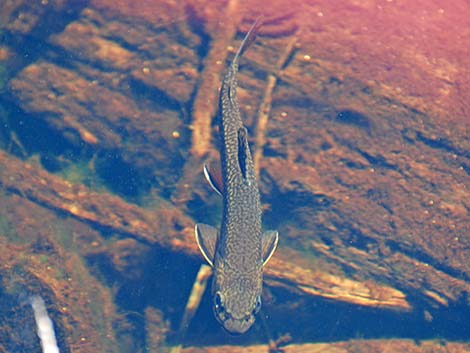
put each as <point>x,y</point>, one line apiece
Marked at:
<point>269,242</point>
<point>206,237</point>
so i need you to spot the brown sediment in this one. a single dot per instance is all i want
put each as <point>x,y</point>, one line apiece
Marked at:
<point>156,328</point>
<point>383,346</point>
<point>369,250</point>
<point>206,100</point>
<point>318,283</point>
<point>22,16</point>
<point>172,229</point>
<point>100,208</point>
<point>37,262</point>
<point>204,108</point>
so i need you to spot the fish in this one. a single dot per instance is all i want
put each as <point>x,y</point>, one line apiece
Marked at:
<point>238,250</point>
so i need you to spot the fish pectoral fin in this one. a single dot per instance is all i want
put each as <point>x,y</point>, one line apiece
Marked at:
<point>206,237</point>
<point>269,242</point>
<point>214,178</point>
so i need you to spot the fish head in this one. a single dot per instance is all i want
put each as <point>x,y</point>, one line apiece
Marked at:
<point>236,300</point>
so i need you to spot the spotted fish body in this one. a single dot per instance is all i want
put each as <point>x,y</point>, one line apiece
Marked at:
<point>239,250</point>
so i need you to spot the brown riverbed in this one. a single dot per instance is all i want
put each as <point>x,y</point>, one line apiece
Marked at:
<point>362,144</point>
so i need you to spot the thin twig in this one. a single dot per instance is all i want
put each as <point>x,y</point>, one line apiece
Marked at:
<point>265,106</point>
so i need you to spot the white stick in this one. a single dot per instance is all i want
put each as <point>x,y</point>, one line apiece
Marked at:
<point>45,325</point>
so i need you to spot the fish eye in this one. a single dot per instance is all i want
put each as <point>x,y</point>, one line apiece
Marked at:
<point>218,302</point>
<point>257,305</point>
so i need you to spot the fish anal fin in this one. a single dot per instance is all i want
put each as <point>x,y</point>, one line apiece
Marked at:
<point>269,242</point>
<point>214,178</point>
<point>206,238</point>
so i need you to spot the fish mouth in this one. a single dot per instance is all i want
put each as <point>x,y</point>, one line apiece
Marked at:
<point>236,326</point>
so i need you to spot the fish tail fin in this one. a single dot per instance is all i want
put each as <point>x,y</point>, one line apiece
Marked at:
<point>249,38</point>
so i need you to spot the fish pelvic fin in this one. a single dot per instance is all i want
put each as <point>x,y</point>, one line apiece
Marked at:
<point>269,242</point>
<point>214,178</point>
<point>206,238</point>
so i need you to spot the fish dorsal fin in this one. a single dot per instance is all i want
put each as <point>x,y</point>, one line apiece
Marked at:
<point>269,242</point>
<point>214,178</point>
<point>243,149</point>
<point>206,238</point>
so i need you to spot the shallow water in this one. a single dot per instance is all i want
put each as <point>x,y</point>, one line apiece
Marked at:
<point>107,114</point>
